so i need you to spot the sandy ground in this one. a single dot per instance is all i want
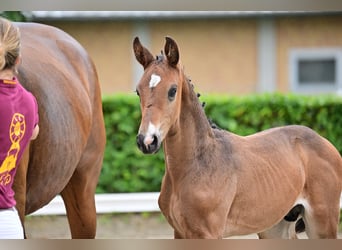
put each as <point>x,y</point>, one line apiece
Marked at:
<point>110,226</point>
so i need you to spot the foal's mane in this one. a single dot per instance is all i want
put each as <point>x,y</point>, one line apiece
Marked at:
<point>161,57</point>
<point>212,124</point>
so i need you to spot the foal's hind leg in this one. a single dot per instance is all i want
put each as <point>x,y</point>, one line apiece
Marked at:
<point>321,215</point>
<point>283,230</point>
<point>321,222</point>
<point>322,190</point>
<point>288,227</point>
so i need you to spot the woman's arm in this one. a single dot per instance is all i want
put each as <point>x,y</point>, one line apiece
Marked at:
<point>35,132</point>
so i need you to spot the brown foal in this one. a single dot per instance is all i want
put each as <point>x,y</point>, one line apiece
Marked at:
<point>218,184</point>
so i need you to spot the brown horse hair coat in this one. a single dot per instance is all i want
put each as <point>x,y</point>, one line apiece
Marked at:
<point>66,158</point>
<point>219,184</point>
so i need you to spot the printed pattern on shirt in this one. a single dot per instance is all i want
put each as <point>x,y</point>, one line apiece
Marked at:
<point>16,133</point>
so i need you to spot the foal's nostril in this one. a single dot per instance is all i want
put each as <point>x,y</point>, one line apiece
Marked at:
<point>153,147</point>
<point>154,143</point>
<point>149,148</point>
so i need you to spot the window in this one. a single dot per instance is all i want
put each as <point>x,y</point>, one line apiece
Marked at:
<point>316,70</point>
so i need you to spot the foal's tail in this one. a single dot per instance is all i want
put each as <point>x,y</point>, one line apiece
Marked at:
<point>300,226</point>
<point>296,212</point>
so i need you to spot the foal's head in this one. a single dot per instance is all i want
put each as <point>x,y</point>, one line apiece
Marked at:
<point>160,90</point>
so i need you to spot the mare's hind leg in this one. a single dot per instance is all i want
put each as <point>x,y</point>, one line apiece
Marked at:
<point>19,186</point>
<point>79,194</point>
<point>177,235</point>
<point>79,199</point>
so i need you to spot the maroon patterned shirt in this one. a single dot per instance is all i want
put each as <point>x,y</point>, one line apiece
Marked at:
<point>18,117</point>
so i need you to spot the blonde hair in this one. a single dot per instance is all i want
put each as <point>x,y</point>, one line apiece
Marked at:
<point>9,44</point>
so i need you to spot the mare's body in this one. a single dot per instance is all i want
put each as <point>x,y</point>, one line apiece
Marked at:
<point>66,158</point>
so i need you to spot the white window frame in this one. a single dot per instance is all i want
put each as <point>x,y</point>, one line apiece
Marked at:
<point>315,54</point>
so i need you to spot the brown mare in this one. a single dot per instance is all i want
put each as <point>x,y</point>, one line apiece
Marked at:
<point>218,184</point>
<point>66,158</point>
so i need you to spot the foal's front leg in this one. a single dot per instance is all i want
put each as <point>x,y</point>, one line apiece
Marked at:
<point>203,226</point>
<point>199,227</point>
<point>203,214</point>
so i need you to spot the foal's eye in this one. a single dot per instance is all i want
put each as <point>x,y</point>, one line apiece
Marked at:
<point>172,93</point>
<point>136,91</point>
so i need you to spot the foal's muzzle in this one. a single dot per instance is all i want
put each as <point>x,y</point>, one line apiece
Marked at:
<point>150,147</point>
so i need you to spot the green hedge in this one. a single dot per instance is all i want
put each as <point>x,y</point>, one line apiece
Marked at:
<point>126,169</point>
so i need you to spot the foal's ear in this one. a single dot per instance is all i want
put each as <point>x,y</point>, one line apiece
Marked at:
<point>143,56</point>
<point>171,51</point>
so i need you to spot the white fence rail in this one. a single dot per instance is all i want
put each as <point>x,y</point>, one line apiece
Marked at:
<point>111,203</point>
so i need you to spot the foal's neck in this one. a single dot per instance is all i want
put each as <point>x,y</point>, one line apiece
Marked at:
<point>192,116</point>
<point>192,131</point>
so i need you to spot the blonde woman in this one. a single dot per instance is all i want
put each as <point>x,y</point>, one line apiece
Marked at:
<point>19,125</point>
